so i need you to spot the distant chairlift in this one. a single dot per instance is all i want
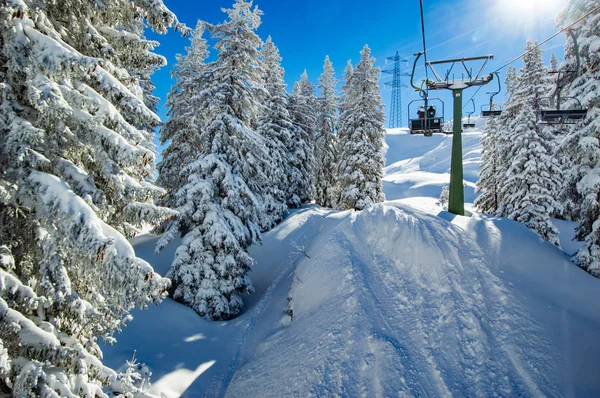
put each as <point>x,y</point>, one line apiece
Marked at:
<point>550,107</point>
<point>556,115</point>
<point>493,108</point>
<point>470,125</point>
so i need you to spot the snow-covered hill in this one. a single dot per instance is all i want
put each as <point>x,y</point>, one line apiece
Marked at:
<point>401,299</point>
<point>419,166</point>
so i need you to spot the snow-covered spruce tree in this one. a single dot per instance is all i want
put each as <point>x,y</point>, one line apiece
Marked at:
<point>275,126</point>
<point>219,206</point>
<point>488,184</point>
<point>343,99</point>
<point>583,142</point>
<point>532,177</point>
<point>326,143</point>
<point>302,107</point>
<point>343,105</point>
<point>553,62</point>
<point>75,168</point>
<point>556,134</point>
<point>343,119</point>
<point>180,128</point>
<point>503,122</point>
<point>361,138</point>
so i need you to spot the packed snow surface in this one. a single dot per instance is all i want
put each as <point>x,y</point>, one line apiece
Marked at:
<point>401,299</point>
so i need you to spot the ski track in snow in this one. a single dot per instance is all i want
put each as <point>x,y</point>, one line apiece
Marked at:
<point>254,314</point>
<point>251,319</point>
<point>405,323</point>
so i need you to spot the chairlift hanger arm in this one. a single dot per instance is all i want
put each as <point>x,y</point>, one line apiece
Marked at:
<point>412,76</point>
<point>574,37</point>
<point>474,110</point>
<point>493,94</point>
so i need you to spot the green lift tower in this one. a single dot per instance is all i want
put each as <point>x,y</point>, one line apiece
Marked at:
<point>456,202</point>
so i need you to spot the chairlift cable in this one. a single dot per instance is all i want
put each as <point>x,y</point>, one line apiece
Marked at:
<point>424,46</point>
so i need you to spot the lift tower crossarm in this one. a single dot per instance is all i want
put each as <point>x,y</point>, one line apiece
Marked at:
<point>478,80</point>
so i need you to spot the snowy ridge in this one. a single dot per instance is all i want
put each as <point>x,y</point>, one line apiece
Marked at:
<point>418,313</point>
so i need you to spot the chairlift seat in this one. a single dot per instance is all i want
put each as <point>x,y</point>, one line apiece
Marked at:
<point>469,125</point>
<point>418,126</point>
<point>558,116</point>
<point>491,113</point>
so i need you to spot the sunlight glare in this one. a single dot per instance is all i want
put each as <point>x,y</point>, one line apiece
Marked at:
<point>528,11</point>
<point>530,7</point>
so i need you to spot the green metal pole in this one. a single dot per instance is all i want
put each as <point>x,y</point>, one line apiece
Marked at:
<point>456,202</point>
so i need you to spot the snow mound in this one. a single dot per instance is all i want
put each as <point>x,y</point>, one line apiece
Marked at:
<point>397,302</point>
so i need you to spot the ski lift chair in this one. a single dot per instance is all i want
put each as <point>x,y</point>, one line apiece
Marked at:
<point>563,116</point>
<point>493,109</point>
<point>496,111</point>
<point>470,125</point>
<point>573,115</point>
<point>550,108</point>
<point>428,122</point>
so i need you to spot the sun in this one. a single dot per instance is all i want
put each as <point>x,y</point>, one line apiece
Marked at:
<point>525,15</point>
<point>528,11</point>
<point>529,6</point>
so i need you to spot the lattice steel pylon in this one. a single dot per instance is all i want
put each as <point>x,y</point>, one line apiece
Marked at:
<point>396,85</point>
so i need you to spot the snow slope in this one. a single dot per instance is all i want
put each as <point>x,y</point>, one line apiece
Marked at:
<point>398,302</point>
<point>419,166</point>
<point>401,299</point>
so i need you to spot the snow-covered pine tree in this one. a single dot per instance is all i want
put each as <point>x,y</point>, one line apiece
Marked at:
<point>76,163</point>
<point>583,142</point>
<point>532,176</point>
<point>326,142</point>
<point>556,134</point>
<point>488,184</point>
<point>275,126</point>
<point>302,107</point>
<point>503,122</point>
<point>220,206</point>
<point>343,119</point>
<point>343,99</point>
<point>180,128</point>
<point>361,135</point>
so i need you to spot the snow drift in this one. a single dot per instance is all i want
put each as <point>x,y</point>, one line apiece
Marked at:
<point>401,299</point>
<point>397,302</point>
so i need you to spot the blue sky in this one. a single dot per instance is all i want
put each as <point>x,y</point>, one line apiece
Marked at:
<point>306,31</point>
